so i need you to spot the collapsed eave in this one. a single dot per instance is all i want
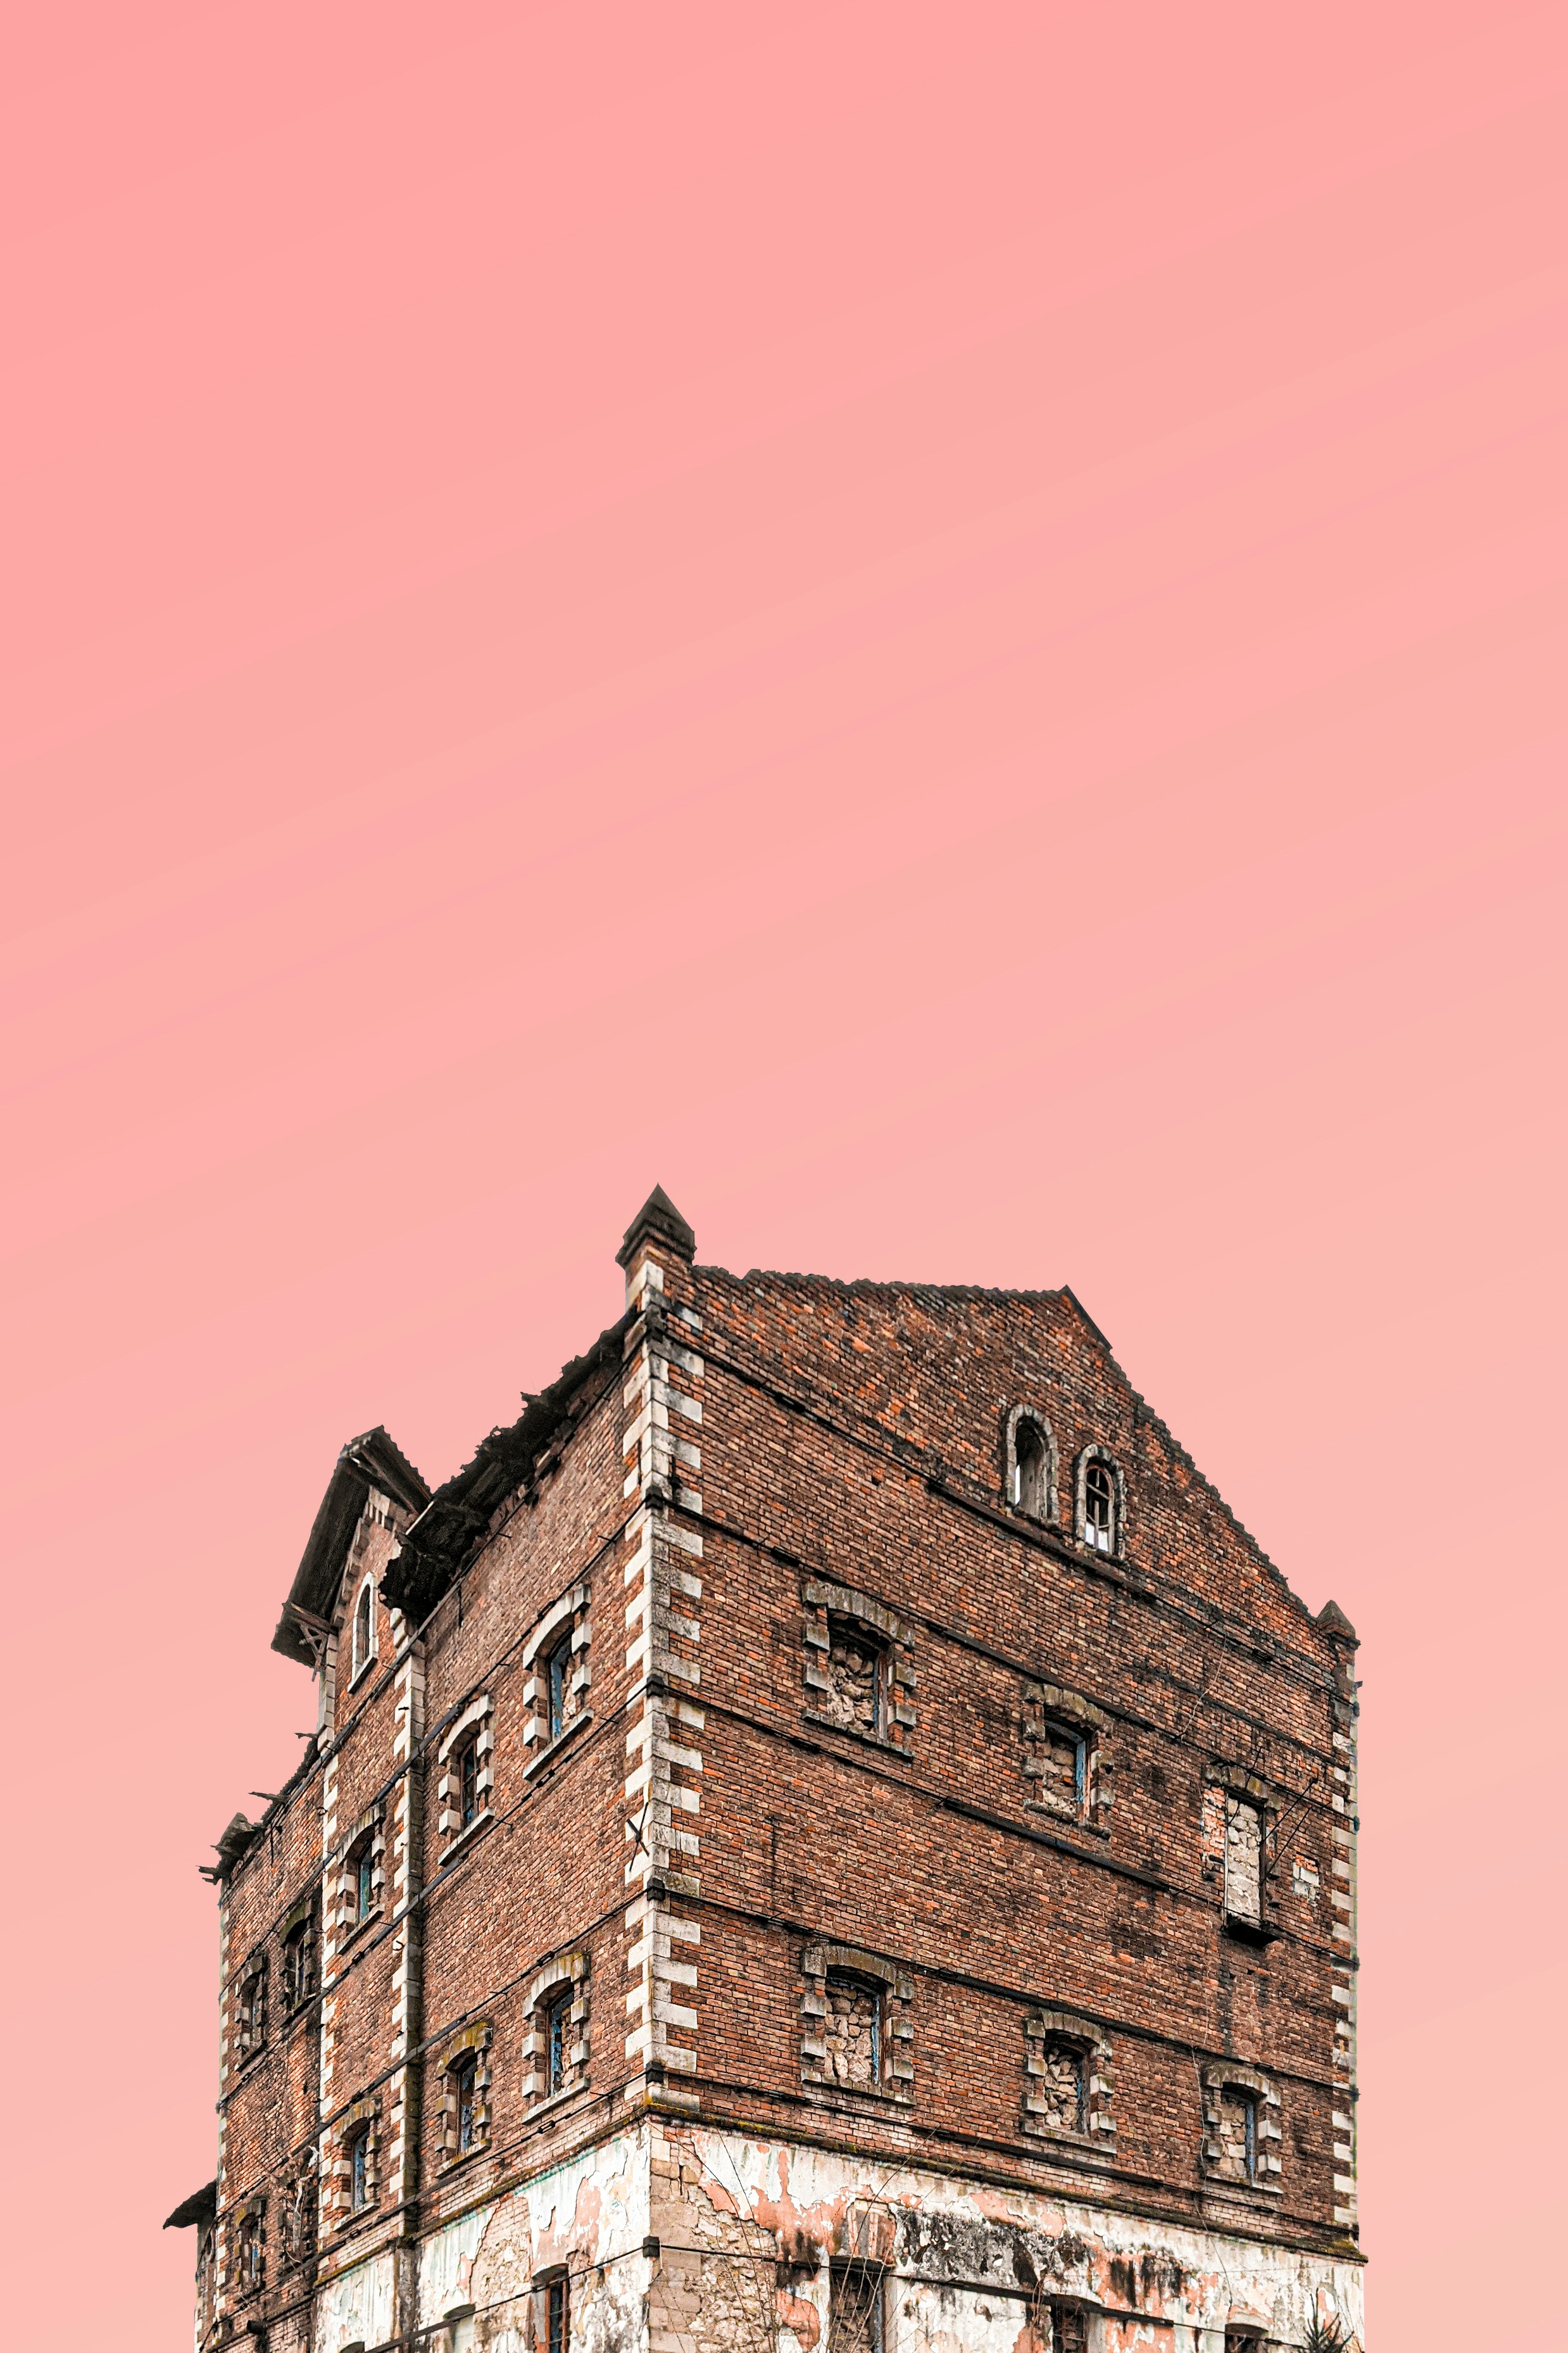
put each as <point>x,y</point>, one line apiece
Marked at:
<point>436,1550</point>
<point>369,1461</point>
<point>199,2207</point>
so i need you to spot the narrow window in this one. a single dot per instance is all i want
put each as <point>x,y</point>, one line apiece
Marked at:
<point>253,2011</point>
<point>855,2301</point>
<point>1238,2135</point>
<point>557,2040</point>
<point>1099,1508</point>
<point>465,2091</point>
<point>1068,2329</point>
<point>1243,1861</point>
<point>362,1626</point>
<point>467,1778</point>
<point>1030,1469</point>
<point>559,1676</point>
<point>297,1970</point>
<point>557,2316</point>
<point>853,2030</point>
<point>359,2168</point>
<point>362,1877</point>
<point>250,2253</point>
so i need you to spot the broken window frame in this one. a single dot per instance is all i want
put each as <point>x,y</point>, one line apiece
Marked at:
<point>362,1641</point>
<point>251,2010</point>
<point>250,2253</point>
<point>557,2026</point>
<point>557,1674</point>
<point>1030,1466</point>
<point>361,2194</point>
<point>857,1981</point>
<point>298,1977</point>
<point>857,2290</point>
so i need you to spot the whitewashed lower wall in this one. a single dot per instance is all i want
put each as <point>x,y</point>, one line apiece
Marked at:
<point>748,2230</point>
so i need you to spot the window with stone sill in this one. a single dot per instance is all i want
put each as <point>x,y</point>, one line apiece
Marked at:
<point>557,1669</point>
<point>251,2011</point>
<point>1067,2079</point>
<point>555,2047</point>
<point>1242,2135</point>
<point>1029,1464</point>
<point>860,1675</point>
<point>360,2186</point>
<point>855,2030</point>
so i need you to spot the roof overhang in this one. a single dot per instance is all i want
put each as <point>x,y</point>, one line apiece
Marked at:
<point>367,1462</point>
<point>199,2207</point>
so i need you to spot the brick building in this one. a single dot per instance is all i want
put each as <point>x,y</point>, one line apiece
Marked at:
<point>825,1833</point>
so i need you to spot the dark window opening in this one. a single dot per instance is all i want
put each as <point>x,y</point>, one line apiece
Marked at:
<point>465,2092</point>
<point>557,2040</point>
<point>557,2316</point>
<point>299,1966</point>
<point>1030,1469</point>
<point>253,2011</point>
<point>856,2308</point>
<point>250,2252</point>
<point>467,1779</point>
<point>362,1628</point>
<point>558,1679</point>
<point>1069,2333</point>
<point>1099,1508</point>
<point>359,2170</point>
<point>362,1868</point>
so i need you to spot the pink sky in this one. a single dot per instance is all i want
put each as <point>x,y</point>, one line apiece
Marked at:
<point>945,629</point>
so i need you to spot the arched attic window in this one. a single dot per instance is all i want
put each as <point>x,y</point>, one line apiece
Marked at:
<point>1031,1464</point>
<point>1100,1502</point>
<point>364,1627</point>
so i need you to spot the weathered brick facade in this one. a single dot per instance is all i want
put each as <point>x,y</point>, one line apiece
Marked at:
<point>825,1833</point>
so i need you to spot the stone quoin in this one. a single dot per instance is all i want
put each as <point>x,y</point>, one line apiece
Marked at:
<point>825,1836</point>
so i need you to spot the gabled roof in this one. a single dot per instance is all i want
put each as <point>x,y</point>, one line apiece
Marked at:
<point>432,1552</point>
<point>367,1462</point>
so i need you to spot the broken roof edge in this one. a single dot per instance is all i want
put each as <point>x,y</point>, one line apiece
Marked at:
<point>199,2207</point>
<point>432,1553</point>
<point>371,1459</point>
<point>869,1283</point>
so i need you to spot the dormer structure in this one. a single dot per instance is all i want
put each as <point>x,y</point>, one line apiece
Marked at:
<point>825,1835</point>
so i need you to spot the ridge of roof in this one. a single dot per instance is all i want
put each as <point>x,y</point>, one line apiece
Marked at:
<point>371,1459</point>
<point>868,1285</point>
<point>432,1552</point>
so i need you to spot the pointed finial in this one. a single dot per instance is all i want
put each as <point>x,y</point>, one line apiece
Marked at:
<point>1334,1622</point>
<point>659,1220</point>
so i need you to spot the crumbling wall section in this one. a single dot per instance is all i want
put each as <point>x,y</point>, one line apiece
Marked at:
<point>953,2266</point>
